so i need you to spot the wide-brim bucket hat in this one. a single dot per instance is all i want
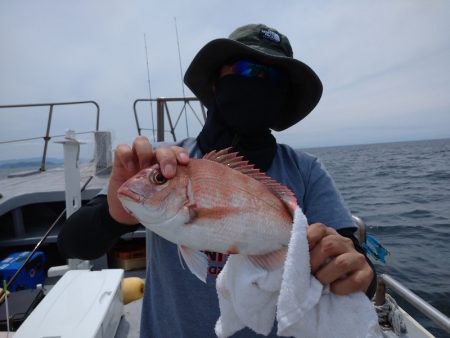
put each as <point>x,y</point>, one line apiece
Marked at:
<point>260,44</point>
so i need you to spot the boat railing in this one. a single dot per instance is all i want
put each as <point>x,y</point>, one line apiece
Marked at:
<point>361,229</point>
<point>48,136</point>
<point>387,281</point>
<point>183,108</point>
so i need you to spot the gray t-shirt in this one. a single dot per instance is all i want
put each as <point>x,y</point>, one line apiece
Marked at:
<point>178,304</point>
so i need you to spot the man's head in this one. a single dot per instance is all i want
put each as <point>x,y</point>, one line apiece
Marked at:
<point>256,50</point>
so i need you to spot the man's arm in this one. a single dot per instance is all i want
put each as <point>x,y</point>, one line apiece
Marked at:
<point>90,232</point>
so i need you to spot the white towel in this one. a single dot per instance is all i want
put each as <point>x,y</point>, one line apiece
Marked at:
<point>253,297</point>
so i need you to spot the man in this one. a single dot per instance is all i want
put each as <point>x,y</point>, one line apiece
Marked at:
<point>250,84</point>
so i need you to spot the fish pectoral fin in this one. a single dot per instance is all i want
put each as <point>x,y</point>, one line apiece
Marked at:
<point>211,213</point>
<point>191,212</point>
<point>271,260</point>
<point>196,261</point>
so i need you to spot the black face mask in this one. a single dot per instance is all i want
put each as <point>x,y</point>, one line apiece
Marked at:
<point>248,105</point>
<point>241,117</point>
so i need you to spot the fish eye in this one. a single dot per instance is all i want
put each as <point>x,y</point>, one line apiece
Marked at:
<point>156,177</point>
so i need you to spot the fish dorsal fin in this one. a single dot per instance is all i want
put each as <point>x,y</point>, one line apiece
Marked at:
<point>236,162</point>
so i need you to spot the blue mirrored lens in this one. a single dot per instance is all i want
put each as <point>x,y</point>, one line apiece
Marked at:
<point>250,69</point>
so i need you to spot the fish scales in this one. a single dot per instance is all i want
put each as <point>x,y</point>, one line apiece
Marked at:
<point>214,184</point>
<point>252,211</point>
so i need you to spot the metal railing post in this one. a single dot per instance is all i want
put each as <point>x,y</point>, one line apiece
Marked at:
<point>160,119</point>
<point>362,229</point>
<point>97,121</point>
<point>172,128</point>
<point>46,138</point>
<point>203,111</point>
<point>136,119</point>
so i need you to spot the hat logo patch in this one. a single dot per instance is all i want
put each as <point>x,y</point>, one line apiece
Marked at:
<point>270,35</point>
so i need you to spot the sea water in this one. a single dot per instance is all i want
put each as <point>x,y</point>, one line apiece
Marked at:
<point>402,191</point>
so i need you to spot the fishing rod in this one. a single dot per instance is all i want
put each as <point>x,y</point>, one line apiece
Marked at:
<point>44,237</point>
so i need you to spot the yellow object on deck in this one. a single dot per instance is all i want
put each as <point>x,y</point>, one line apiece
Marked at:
<point>132,289</point>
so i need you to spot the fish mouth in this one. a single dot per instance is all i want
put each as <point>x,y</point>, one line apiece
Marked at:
<point>129,195</point>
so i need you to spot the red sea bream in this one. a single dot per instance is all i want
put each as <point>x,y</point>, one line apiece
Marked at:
<point>219,203</point>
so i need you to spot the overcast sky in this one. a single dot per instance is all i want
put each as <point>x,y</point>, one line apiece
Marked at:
<point>385,65</point>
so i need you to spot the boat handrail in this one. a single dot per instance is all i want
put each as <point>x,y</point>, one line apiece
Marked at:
<point>161,108</point>
<point>361,229</point>
<point>385,280</point>
<point>47,135</point>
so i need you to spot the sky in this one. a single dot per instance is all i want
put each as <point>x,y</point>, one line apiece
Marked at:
<point>384,65</point>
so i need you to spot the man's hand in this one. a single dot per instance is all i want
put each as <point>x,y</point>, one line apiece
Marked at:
<point>335,261</point>
<point>128,161</point>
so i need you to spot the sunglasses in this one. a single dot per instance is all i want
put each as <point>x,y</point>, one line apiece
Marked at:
<point>249,69</point>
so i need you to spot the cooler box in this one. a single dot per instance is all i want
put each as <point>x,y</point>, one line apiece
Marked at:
<point>82,304</point>
<point>29,277</point>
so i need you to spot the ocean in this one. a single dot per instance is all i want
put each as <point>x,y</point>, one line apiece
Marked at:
<point>402,192</point>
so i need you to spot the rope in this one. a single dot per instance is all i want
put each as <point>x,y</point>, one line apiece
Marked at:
<point>390,316</point>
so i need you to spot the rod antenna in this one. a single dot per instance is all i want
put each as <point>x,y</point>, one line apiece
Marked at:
<point>149,87</point>
<point>181,77</point>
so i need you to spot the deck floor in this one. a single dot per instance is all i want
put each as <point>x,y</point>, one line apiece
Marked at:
<point>45,186</point>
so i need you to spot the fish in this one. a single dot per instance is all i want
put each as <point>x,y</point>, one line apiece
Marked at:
<point>219,203</point>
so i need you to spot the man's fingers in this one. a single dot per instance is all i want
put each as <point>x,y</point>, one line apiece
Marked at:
<point>143,151</point>
<point>340,267</point>
<point>181,153</point>
<point>329,247</point>
<point>316,232</point>
<point>168,159</point>
<point>359,280</point>
<point>123,158</point>
<point>335,261</point>
<point>142,155</point>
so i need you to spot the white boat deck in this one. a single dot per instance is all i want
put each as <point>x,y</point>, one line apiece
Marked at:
<point>44,186</point>
<point>26,189</point>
